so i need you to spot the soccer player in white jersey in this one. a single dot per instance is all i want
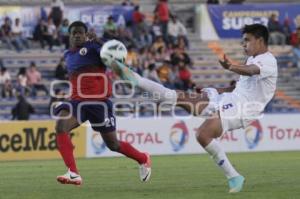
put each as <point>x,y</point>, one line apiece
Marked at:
<point>229,108</point>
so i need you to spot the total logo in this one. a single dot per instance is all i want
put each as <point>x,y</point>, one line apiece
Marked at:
<point>97,143</point>
<point>253,134</point>
<point>179,136</point>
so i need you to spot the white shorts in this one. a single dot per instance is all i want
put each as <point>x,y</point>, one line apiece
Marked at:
<point>229,107</point>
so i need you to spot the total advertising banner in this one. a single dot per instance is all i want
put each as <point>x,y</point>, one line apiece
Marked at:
<point>226,21</point>
<point>177,136</point>
<point>31,140</point>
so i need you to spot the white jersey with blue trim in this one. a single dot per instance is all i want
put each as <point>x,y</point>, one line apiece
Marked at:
<point>258,89</point>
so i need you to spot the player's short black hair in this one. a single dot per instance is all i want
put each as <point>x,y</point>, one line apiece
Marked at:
<point>77,23</point>
<point>257,30</point>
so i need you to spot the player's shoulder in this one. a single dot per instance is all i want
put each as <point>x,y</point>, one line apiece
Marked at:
<point>268,55</point>
<point>65,53</point>
<point>268,58</point>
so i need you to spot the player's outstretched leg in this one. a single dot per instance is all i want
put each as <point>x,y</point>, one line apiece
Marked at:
<point>129,151</point>
<point>194,103</point>
<point>206,134</point>
<point>65,147</point>
<point>70,178</point>
<point>236,184</point>
<point>125,73</point>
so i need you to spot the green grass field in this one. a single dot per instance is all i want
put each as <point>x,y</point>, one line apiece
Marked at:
<point>268,176</point>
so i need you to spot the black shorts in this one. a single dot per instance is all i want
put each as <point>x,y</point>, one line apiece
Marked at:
<point>98,113</point>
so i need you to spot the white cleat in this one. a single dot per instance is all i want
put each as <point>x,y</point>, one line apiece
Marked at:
<point>145,169</point>
<point>70,178</point>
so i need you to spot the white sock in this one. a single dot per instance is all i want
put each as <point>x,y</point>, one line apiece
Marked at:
<point>219,156</point>
<point>157,90</point>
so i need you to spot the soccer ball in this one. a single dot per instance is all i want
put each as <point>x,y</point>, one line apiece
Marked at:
<point>113,50</point>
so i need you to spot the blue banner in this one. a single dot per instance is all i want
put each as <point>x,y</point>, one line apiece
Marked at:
<point>96,16</point>
<point>228,20</point>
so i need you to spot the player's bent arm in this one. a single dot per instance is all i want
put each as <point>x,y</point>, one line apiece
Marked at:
<point>225,90</point>
<point>247,70</point>
<point>199,89</point>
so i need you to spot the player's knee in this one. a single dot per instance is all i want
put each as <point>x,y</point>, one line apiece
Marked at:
<point>113,146</point>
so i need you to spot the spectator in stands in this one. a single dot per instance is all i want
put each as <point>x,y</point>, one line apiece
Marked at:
<point>182,43</point>
<point>176,29</point>
<point>132,59</point>
<point>91,35</point>
<point>295,41</point>
<point>61,72</point>
<point>22,86</point>
<point>35,80</point>
<point>150,57</point>
<point>110,29</point>
<point>180,55</point>
<point>138,25</point>
<point>17,34</point>
<point>56,13</point>
<point>156,30</point>
<point>162,12</point>
<point>184,75</point>
<point>287,30</point>
<point>158,44</point>
<point>164,73</point>
<point>125,35</point>
<point>145,38</point>
<point>295,37</point>
<point>51,34</point>
<point>138,19</point>
<point>277,36</point>
<point>143,57</point>
<point>42,35</point>
<point>6,34</point>
<point>151,73</point>
<point>162,54</point>
<point>22,110</point>
<point>64,33</point>
<point>174,77</point>
<point>38,32</point>
<point>5,83</point>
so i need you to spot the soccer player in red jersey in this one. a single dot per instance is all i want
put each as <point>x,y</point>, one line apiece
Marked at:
<point>89,101</point>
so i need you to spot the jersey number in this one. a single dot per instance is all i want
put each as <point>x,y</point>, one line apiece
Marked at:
<point>227,106</point>
<point>109,122</point>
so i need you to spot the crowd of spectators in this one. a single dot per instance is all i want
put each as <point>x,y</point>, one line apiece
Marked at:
<point>28,82</point>
<point>156,48</point>
<point>281,34</point>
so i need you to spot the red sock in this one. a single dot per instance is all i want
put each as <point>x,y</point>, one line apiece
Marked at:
<point>65,148</point>
<point>129,151</point>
